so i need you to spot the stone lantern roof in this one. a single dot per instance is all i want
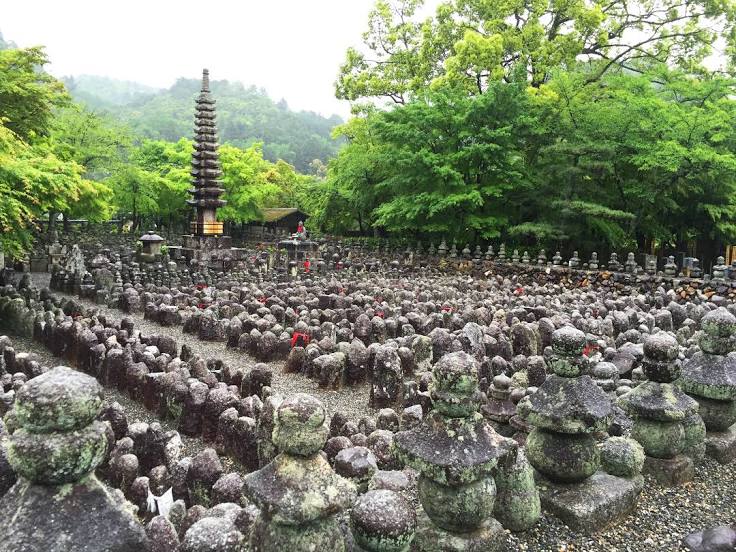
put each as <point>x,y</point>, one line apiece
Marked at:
<point>150,237</point>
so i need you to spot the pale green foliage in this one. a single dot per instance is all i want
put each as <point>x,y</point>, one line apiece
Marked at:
<point>470,43</point>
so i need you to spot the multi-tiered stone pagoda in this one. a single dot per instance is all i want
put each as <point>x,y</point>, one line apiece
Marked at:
<point>206,238</point>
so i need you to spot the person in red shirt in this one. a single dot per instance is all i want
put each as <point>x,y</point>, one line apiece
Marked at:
<point>307,265</point>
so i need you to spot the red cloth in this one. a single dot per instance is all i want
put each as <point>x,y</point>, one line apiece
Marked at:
<point>300,339</point>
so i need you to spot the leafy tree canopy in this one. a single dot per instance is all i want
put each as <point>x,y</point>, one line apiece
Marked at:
<point>474,42</point>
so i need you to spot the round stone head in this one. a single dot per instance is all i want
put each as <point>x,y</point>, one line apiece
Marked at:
<point>567,358</point>
<point>454,388</point>
<point>718,327</point>
<point>384,521</point>
<point>300,427</point>
<point>660,358</point>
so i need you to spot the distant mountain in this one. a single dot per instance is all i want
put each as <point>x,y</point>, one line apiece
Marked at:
<point>244,115</point>
<point>104,92</point>
<point>6,44</point>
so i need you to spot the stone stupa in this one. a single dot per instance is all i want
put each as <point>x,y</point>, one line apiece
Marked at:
<point>207,240</point>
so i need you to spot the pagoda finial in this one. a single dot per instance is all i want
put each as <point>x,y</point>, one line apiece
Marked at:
<point>205,80</point>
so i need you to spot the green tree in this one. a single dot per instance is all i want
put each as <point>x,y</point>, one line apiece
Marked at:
<point>634,161</point>
<point>245,180</point>
<point>475,42</point>
<point>28,96</point>
<point>34,180</point>
<point>154,183</point>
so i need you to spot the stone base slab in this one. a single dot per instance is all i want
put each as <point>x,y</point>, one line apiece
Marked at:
<point>670,471</point>
<point>721,445</point>
<point>489,537</point>
<point>592,505</point>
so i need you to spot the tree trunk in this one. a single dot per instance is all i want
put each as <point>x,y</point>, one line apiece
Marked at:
<point>52,221</point>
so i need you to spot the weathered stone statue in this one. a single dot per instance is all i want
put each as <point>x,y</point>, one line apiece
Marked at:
<point>719,269</point>
<point>567,412</point>
<point>574,260</point>
<point>666,420</point>
<point>670,267</point>
<point>613,263</point>
<point>382,521</point>
<point>58,504</point>
<point>502,253</point>
<point>593,262</point>
<point>457,453</point>
<point>298,493</point>
<point>709,377</point>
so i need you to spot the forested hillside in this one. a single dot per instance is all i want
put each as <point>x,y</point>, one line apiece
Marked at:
<point>246,115</point>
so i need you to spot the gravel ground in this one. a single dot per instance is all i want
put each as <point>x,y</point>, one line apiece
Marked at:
<point>352,400</point>
<point>663,516</point>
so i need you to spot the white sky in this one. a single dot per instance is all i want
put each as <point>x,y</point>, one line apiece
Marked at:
<point>292,48</point>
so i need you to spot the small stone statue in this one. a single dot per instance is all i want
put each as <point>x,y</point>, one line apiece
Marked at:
<point>502,253</point>
<point>442,250</point>
<point>557,259</point>
<point>298,493</point>
<point>631,266</point>
<point>574,260</point>
<point>542,258</point>
<point>55,450</point>
<point>709,377</point>
<point>666,420</point>
<point>525,259</point>
<point>489,253</point>
<point>670,267</point>
<point>719,269</point>
<point>456,451</point>
<point>613,264</point>
<point>593,262</point>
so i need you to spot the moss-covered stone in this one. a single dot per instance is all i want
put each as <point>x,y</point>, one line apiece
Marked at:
<point>455,508</point>
<point>517,504</point>
<point>694,440</point>
<point>659,439</point>
<point>300,426</point>
<point>622,456</point>
<point>383,521</point>
<point>718,415</point>
<point>561,456</point>
<point>56,458</point>
<point>62,399</point>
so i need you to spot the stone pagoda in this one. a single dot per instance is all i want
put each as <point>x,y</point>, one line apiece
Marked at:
<point>206,240</point>
<point>464,465</point>
<point>709,377</point>
<point>666,420</point>
<point>58,504</point>
<point>570,413</point>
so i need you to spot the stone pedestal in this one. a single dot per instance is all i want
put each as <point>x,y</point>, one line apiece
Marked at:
<point>79,516</point>
<point>489,537</point>
<point>592,505</point>
<point>670,471</point>
<point>721,445</point>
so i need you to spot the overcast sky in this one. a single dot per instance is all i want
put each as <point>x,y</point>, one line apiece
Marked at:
<point>292,48</point>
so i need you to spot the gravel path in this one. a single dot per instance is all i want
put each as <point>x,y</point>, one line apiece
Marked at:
<point>353,400</point>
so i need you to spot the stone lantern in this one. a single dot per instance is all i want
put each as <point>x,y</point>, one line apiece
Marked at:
<point>152,243</point>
